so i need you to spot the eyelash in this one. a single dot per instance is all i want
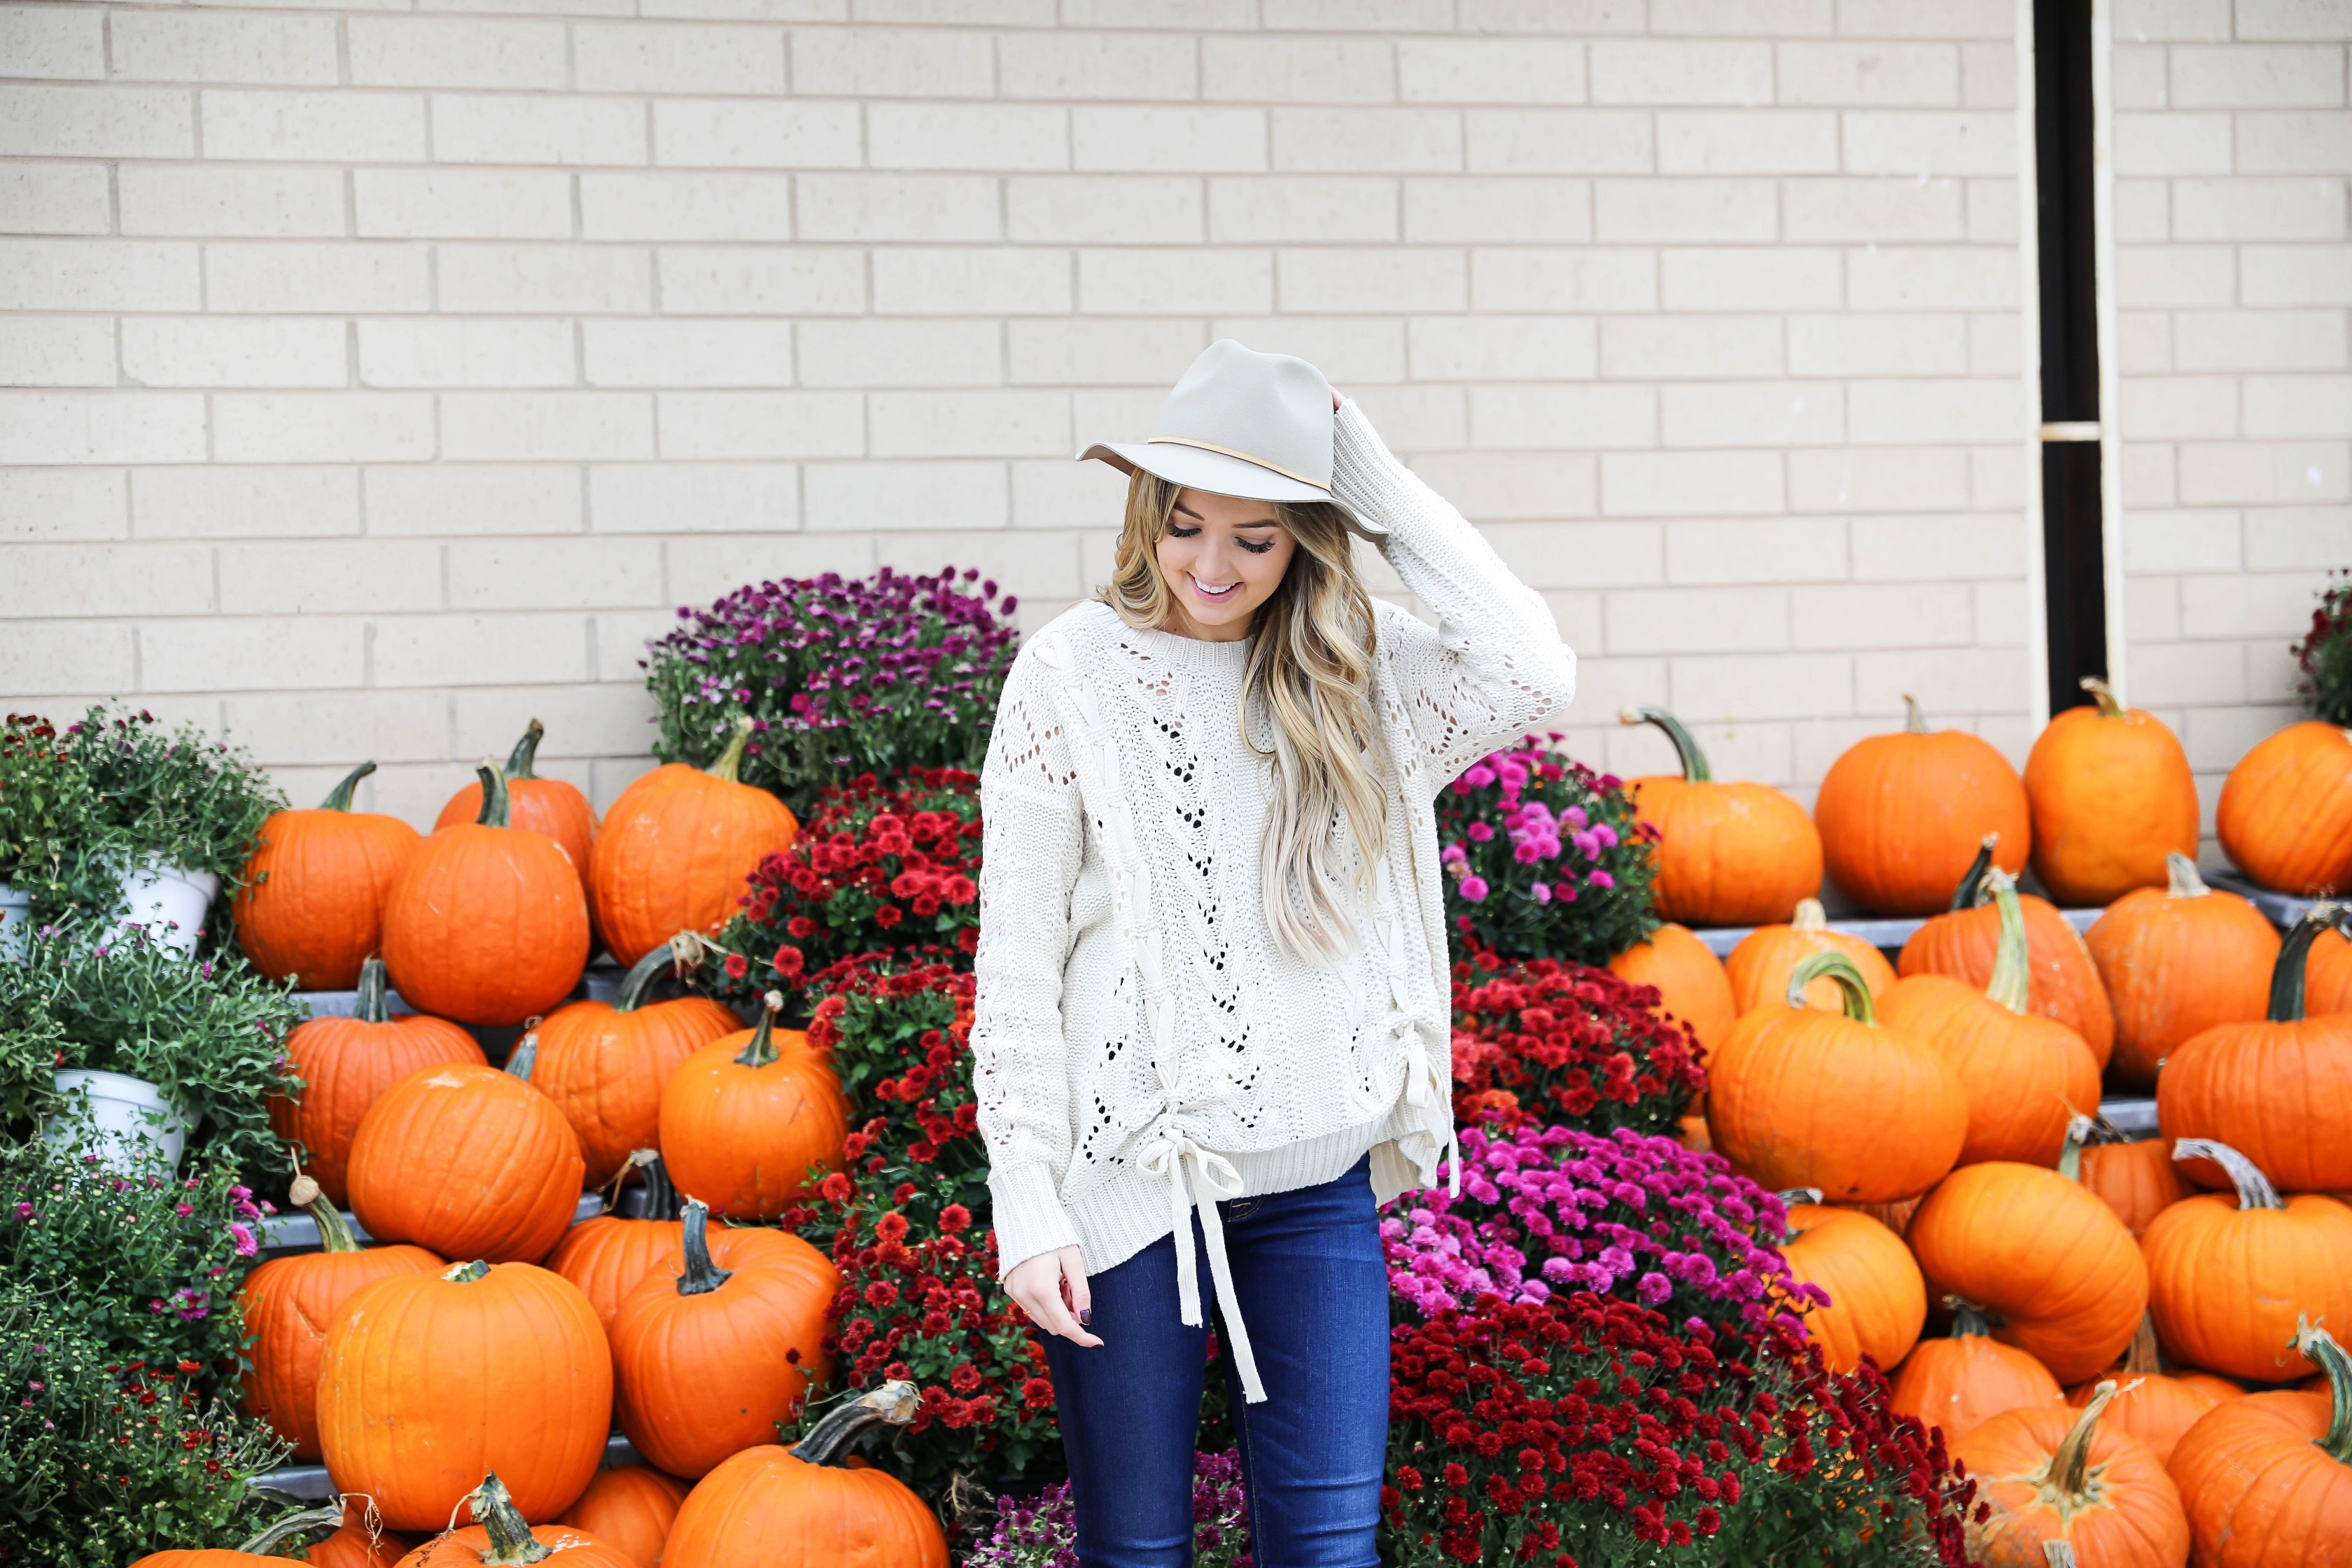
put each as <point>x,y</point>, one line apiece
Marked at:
<point>1176,533</point>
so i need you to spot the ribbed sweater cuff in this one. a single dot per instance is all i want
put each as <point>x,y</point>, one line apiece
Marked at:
<point>1030,1218</point>
<point>1364,472</point>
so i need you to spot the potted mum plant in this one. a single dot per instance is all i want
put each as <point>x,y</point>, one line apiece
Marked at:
<point>48,815</point>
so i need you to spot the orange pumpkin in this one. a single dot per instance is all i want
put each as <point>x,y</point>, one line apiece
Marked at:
<point>1877,1301</point>
<point>2286,813</point>
<point>542,805</point>
<point>468,1161</point>
<point>2137,1179</point>
<point>716,1347</point>
<point>676,848</point>
<point>2062,1475</point>
<point>1961,1381</point>
<point>487,923</point>
<point>2280,1090</point>
<point>1728,854</point>
<point>2226,1276</point>
<point>2111,796</point>
<point>503,1537</point>
<point>2267,1480</point>
<point>2150,1406</point>
<point>346,1064</point>
<point>430,1380</point>
<point>605,1255</point>
<point>631,1506</point>
<point>346,1543</point>
<point>311,909</point>
<point>2064,984</point>
<point>753,1120</point>
<point>1689,978</point>
<point>2176,963</point>
<point>2328,975</point>
<point>2049,1258</point>
<point>810,1507</point>
<point>604,1064</point>
<point>1800,1098</point>
<point>1759,967</point>
<point>1901,814</point>
<point>2024,1076</point>
<point>289,1303</point>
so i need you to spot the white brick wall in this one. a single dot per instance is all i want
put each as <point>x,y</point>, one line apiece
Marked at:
<point>383,374</point>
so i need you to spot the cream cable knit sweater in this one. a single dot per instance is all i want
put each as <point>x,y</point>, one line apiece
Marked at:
<point>1141,1045</point>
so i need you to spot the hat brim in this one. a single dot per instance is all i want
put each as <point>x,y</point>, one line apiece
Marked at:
<point>1196,468</point>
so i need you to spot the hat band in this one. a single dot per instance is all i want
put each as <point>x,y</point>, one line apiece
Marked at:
<point>1228,451</point>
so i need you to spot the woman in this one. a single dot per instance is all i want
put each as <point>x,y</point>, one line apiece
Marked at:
<point>1213,1012</point>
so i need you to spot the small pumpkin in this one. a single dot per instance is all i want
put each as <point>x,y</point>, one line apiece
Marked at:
<point>1877,1301</point>
<point>606,1254</point>
<point>503,1538</point>
<point>2285,813</point>
<point>1963,940</point>
<point>2279,1090</point>
<point>346,1064</point>
<point>1901,814</point>
<point>2177,962</point>
<point>540,805</point>
<point>2227,1275</point>
<point>1691,983</point>
<point>1728,854</point>
<point>2064,1475</point>
<point>1800,1098</point>
<point>753,1120</point>
<point>716,1346</point>
<point>2049,1258</point>
<point>1760,966</point>
<point>810,1506</point>
<point>289,1300</point>
<point>487,922</point>
<point>2267,1480</point>
<point>2137,1179</point>
<point>359,1540</point>
<point>2111,796</point>
<point>429,1382</point>
<point>468,1161</point>
<point>2150,1404</point>
<point>1961,1382</point>
<point>311,909</point>
<point>676,848</point>
<point>633,1507</point>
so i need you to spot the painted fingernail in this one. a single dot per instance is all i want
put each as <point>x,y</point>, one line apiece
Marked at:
<point>1085,1317</point>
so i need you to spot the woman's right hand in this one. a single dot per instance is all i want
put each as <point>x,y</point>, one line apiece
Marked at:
<point>1052,1289</point>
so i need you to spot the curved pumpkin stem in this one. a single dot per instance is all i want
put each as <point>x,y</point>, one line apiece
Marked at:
<point>2319,1346</point>
<point>894,1404</point>
<point>2294,960</point>
<point>334,1231</point>
<point>339,797</point>
<point>2254,1189</point>
<point>731,761</point>
<point>2058,1554</point>
<point>1693,761</point>
<point>1809,916</point>
<point>367,1002</point>
<point>2181,880</point>
<point>309,1525</point>
<point>525,1056</point>
<point>702,1276</point>
<point>2080,1130</point>
<point>640,979</point>
<point>1838,967</point>
<point>661,1194</point>
<point>2143,1359</point>
<point>2063,1483</point>
<point>494,796</point>
<point>511,1542</point>
<point>526,752</point>
<point>2012,966</point>
<point>467,1273</point>
<point>1969,1320</point>
<point>762,1050</point>
<point>1970,892</point>
<point>1913,722</point>
<point>2105,696</point>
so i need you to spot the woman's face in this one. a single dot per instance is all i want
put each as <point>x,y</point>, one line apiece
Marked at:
<point>1222,556</point>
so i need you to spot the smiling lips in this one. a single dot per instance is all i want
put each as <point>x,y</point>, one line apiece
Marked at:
<point>1208,593</point>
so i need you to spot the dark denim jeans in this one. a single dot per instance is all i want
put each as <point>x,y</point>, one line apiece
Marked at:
<point>1313,1290</point>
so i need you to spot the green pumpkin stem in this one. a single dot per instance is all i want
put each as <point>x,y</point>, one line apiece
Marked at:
<point>334,1231</point>
<point>1969,1320</point>
<point>1970,892</point>
<point>1840,968</point>
<point>511,1542</point>
<point>339,797</point>
<point>762,1050</point>
<point>467,1273</point>
<point>2080,1130</point>
<point>1693,761</point>
<point>894,1404</point>
<point>640,979</point>
<point>2058,1554</point>
<point>525,1054</point>
<point>2294,961</point>
<point>2070,1466</point>
<point>2254,1189</point>
<point>2319,1347</point>
<point>702,1276</point>
<point>1915,722</point>
<point>367,1002</point>
<point>2180,878</point>
<point>661,1193</point>
<point>731,761</point>
<point>494,796</point>
<point>309,1525</point>
<point>526,752</point>
<point>2105,696</point>
<point>2012,966</point>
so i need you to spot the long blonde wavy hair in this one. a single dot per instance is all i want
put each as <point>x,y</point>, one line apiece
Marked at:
<point>1310,676</point>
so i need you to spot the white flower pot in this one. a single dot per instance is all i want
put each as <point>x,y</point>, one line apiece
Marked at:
<point>125,1114</point>
<point>168,903</point>
<point>16,923</point>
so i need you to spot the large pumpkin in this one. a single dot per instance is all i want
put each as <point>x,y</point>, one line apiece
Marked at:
<point>487,922</point>
<point>1877,1301</point>
<point>468,1161</point>
<point>631,1506</point>
<point>1728,854</point>
<point>1760,966</point>
<point>2267,1480</point>
<point>2111,796</point>
<point>542,806</point>
<point>2137,1179</point>
<point>2175,962</point>
<point>753,1120</point>
<point>1901,814</point>
<point>605,1255</point>
<point>1689,978</point>
<point>1800,1098</point>
<point>2279,1090</point>
<point>2024,1076</point>
<point>311,909</point>
<point>675,850</point>
<point>346,1064</point>
<point>2151,1404</point>
<point>504,1538</point>
<point>1961,1382</point>
<point>2064,982</point>
<point>429,1382</point>
<point>809,1506</point>
<point>2062,1475</point>
<point>2286,813</point>
<point>2049,1258</point>
<point>2227,1275</point>
<point>289,1300</point>
<point>716,1347</point>
<point>604,1064</point>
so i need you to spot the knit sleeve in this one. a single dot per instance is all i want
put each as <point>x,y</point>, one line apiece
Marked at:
<point>1494,667</point>
<point>1033,842</point>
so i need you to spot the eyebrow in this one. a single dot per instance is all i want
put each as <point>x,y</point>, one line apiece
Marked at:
<point>1253,523</point>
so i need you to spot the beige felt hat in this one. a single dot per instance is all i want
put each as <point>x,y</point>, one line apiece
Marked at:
<point>1240,423</point>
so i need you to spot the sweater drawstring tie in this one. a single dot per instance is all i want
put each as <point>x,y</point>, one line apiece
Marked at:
<point>1424,1087</point>
<point>1213,1177</point>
